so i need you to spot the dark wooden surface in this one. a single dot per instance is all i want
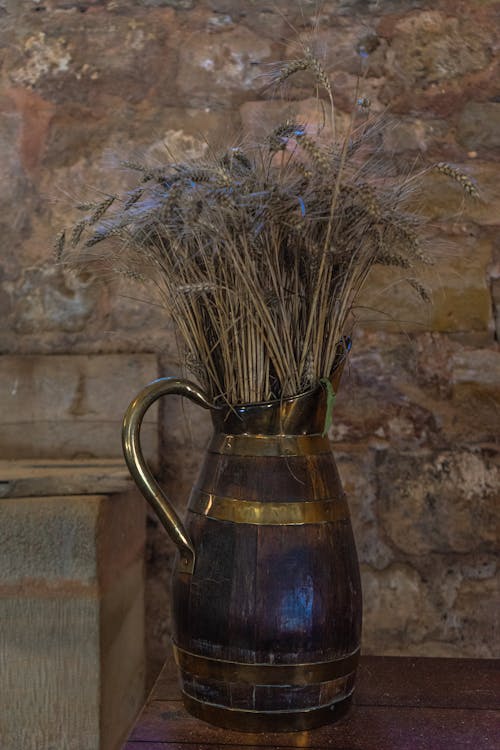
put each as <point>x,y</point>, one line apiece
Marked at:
<point>400,704</point>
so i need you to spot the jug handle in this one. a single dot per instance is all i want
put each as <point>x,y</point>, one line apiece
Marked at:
<point>139,469</point>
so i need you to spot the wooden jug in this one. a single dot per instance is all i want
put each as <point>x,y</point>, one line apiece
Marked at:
<point>266,585</point>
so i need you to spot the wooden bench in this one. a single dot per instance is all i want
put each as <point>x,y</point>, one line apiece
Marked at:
<point>400,704</point>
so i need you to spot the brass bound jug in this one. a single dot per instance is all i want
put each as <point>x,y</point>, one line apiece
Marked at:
<point>266,586</point>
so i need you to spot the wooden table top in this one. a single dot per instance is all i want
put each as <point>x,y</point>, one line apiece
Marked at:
<point>400,704</point>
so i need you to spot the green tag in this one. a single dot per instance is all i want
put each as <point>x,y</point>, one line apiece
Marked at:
<point>330,400</point>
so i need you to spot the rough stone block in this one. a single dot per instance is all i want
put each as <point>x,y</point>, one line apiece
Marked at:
<point>425,44</point>
<point>396,603</point>
<point>72,611</point>
<point>479,125</point>
<point>475,374</point>
<point>460,294</point>
<point>433,605</point>
<point>475,613</point>
<point>211,68</point>
<point>439,502</point>
<point>358,474</point>
<point>373,404</point>
<point>414,134</point>
<point>46,299</point>
<point>71,406</point>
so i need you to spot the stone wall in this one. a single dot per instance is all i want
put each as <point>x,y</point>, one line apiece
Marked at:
<point>85,84</point>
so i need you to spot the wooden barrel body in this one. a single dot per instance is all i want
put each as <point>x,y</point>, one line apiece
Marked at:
<point>267,627</point>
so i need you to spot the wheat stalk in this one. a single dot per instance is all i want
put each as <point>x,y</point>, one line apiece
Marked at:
<point>258,259</point>
<point>463,180</point>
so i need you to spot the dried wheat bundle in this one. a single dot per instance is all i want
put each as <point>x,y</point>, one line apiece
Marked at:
<point>258,253</point>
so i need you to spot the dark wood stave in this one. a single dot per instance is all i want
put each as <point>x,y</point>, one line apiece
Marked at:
<point>271,478</point>
<point>266,697</point>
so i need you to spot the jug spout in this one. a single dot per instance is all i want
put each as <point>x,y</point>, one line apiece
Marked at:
<point>304,414</point>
